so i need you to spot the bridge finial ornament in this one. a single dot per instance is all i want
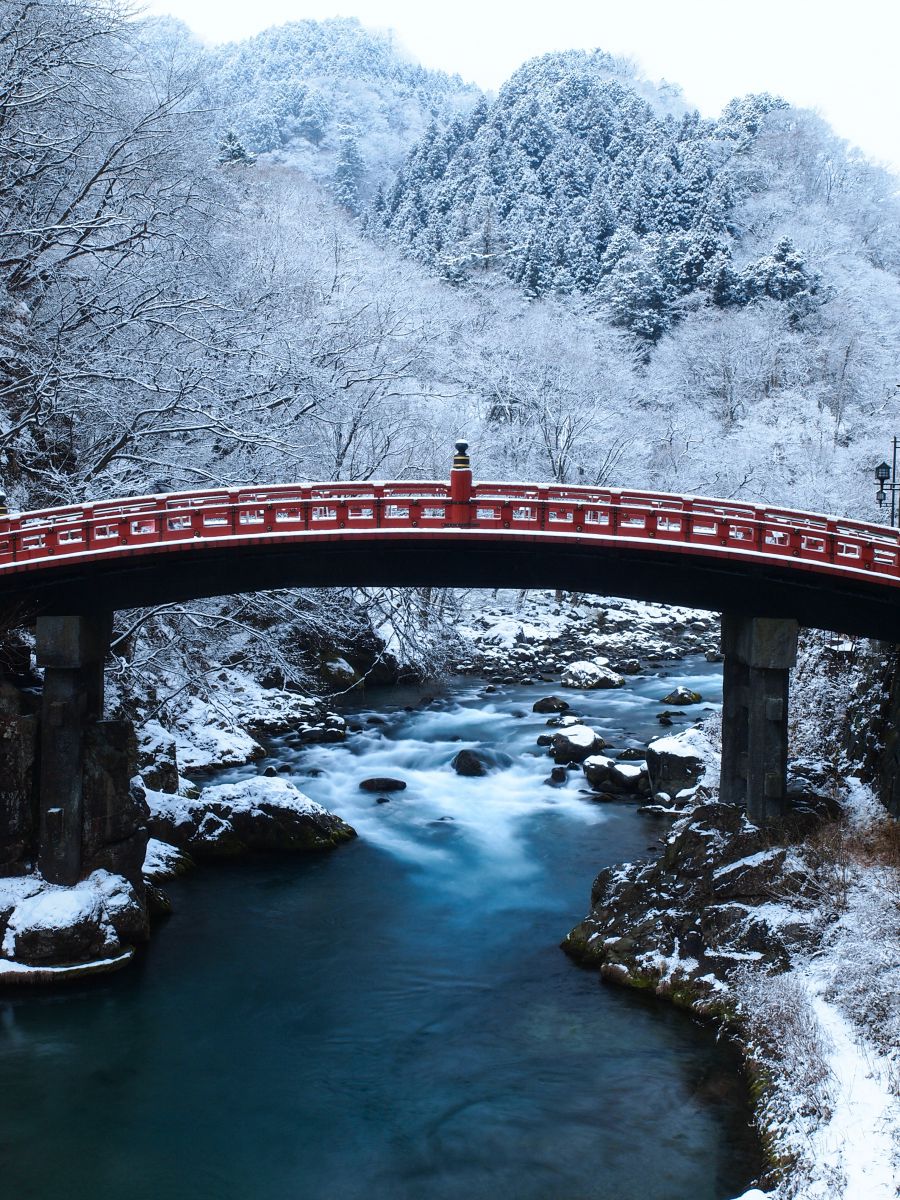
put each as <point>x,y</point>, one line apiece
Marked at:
<point>461,485</point>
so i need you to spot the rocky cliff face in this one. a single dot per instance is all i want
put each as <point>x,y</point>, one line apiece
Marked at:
<point>722,894</point>
<point>871,735</point>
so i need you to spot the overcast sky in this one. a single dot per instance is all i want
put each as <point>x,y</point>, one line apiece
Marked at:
<point>837,56</point>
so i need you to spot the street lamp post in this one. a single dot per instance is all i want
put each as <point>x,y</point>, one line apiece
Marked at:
<point>887,482</point>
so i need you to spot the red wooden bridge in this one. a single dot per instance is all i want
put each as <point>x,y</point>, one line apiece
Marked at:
<point>767,570</point>
<point>827,572</point>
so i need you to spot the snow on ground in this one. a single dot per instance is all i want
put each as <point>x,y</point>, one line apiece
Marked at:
<point>505,619</point>
<point>216,734</point>
<point>204,739</point>
<point>840,1118</point>
<point>861,808</point>
<point>860,1144</point>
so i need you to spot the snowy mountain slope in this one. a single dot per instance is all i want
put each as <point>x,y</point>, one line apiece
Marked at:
<point>340,102</point>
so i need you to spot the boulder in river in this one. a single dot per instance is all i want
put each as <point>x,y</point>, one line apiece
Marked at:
<point>576,743</point>
<point>382,785</point>
<point>254,814</point>
<point>550,704</point>
<point>676,764</point>
<point>44,924</point>
<point>590,675</point>
<point>620,778</point>
<point>469,763</point>
<point>563,721</point>
<point>682,695</point>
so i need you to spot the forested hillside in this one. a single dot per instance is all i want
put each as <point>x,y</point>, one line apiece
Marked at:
<point>583,277</point>
<point>332,99</point>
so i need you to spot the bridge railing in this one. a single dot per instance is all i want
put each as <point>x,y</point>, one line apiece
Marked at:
<point>692,524</point>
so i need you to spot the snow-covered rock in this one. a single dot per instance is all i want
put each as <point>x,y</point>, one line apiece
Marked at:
<point>257,813</point>
<point>576,743</point>
<point>163,861</point>
<point>611,775</point>
<point>588,675</point>
<point>682,695</point>
<point>679,763</point>
<point>44,923</point>
<point>157,761</point>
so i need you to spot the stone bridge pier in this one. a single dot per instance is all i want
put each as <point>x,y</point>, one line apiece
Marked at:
<point>759,653</point>
<point>88,816</point>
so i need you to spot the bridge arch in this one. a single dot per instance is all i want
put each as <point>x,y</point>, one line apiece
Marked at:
<point>824,572</point>
<point>768,570</point>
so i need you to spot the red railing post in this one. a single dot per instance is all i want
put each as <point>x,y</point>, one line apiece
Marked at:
<point>461,486</point>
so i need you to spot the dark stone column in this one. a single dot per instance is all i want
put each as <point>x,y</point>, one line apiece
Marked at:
<point>72,651</point>
<point>18,790</point>
<point>735,698</point>
<point>759,653</point>
<point>115,813</point>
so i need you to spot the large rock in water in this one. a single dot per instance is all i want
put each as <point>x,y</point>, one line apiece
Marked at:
<point>682,695</point>
<point>590,675</point>
<point>718,895</point>
<point>550,704</point>
<point>382,785</point>
<point>620,778</point>
<point>253,814</point>
<point>469,763</point>
<point>576,743</point>
<point>43,924</point>
<point>676,764</point>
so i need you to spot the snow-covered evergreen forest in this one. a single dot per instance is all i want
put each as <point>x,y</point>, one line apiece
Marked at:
<point>306,256</point>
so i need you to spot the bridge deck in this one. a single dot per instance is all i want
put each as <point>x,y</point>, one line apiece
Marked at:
<point>531,531</point>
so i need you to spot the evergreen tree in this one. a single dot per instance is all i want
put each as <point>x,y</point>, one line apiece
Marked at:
<point>349,172</point>
<point>232,151</point>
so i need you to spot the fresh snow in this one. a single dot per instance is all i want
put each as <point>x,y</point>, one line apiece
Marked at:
<point>627,770</point>
<point>599,760</point>
<point>38,905</point>
<point>203,741</point>
<point>588,673</point>
<point>248,794</point>
<point>243,796</point>
<point>579,735</point>
<point>58,909</point>
<point>22,970</point>
<point>861,1141</point>
<point>691,743</point>
<point>161,860</point>
<point>752,860</point>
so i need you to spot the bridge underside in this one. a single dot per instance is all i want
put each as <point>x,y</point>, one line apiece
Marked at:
<point>186,572</point>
